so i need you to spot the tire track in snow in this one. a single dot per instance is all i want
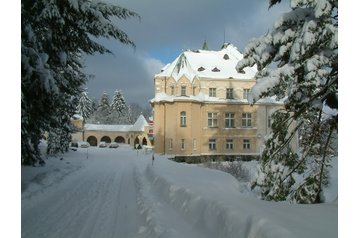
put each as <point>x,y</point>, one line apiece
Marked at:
<point>97,202</point>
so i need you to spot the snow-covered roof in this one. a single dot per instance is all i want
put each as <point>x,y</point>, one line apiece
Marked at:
<point>137,126</point>
<point>208,64</point>
<point>102,127</point>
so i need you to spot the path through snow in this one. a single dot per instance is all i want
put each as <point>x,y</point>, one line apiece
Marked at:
<point>118,193</point>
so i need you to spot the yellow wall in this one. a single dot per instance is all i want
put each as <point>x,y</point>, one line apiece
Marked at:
<point>196,134</point>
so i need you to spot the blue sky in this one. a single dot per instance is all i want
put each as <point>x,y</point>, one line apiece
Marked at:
<point>167,28</point>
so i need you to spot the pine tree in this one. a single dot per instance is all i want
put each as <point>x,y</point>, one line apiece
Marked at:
<point>60,132</point>
<point>84,106</point>
<point>103,113</point>
<point>128,117</point>
<point>118,103</point>
<point>304,46</point>
<point>54,35</point>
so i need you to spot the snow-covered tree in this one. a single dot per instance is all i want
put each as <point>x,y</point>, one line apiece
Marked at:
<point>60,129</point>
<point>84,106</point>
<point>128,117</point>
<point>118,103</point>
<point>103,113</point>
<point>303,45</point>
<point>54,35</point>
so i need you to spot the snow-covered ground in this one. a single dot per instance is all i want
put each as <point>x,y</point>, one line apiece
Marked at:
<point>119,193</point>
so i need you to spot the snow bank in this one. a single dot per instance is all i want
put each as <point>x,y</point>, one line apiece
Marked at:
<point>35,180</point>
<point>211,201</point>
<point>214,216</point>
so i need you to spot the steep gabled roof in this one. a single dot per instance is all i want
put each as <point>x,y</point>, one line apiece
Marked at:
<point>139,124</point>
<point>208,64</point>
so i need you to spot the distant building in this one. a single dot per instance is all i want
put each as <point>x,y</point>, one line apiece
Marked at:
<point>126,134</point>
<point>201,107</point>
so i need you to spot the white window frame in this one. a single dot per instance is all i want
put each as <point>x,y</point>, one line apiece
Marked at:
<point>212,119</point>
<point>246,120</point>
<point>246,144</point>
<point>229,144</point>
<point>183,119</point>
<point>183,90</point>
<point>229,120</point>
<point>212,144</point>
<point>229,93</point>
<point>212,92</point>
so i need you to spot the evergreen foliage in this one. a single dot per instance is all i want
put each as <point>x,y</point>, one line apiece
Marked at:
<point>118,103</point>
<point>84,107</point>
<point>102,115</point>
<point>304,45</point>
<point>54,35</point>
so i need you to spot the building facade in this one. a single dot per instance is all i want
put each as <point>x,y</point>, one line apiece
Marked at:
<point>201,107</point>
<point>136,134</point>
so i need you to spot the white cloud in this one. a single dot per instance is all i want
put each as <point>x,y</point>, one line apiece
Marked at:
<point>152,66</point>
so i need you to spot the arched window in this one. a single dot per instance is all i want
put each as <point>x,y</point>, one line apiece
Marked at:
<point>120,139</point>
<point>106,139</point>
<point>92,140</point>
<point>183,119</point>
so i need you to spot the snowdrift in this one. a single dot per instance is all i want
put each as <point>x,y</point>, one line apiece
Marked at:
<point>211,202</point>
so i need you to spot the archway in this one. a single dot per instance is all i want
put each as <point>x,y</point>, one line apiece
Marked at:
<point>144,141</point>
<point>136,142</point>
<point>92,140</point>
<point>120,139</point>
<point>106,139</point>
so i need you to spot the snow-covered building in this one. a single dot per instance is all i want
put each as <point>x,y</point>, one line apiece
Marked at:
<point>201,107</point>
<point>126,134</point>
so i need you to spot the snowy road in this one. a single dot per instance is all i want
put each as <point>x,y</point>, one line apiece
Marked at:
<point>101,200</point>
<point>96,201</point>
<point>118,193</point>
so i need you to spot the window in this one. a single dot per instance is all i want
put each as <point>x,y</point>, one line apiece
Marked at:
<point>183,119</point>
<point>194,90</point>
<point>212,144</point>
<point>246,93</point>
<point>229,93</point>
<point>212,92</point>
<point>183,90</point>
<point>246,120</point>
<point>229,120</point>
<point>172,90</point>
<point>194,144</point>
<point>246,144</point>
<point>182,144</point>
<point>212,119</point>
<point>215,69</point>
<point>170,144</point>
<point>229,144</point>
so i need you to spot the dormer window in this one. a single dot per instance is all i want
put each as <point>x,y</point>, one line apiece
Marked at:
<point>215,69</point>
<point>226,57</point>
<point>183,90</point>
<point>201,69</point>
